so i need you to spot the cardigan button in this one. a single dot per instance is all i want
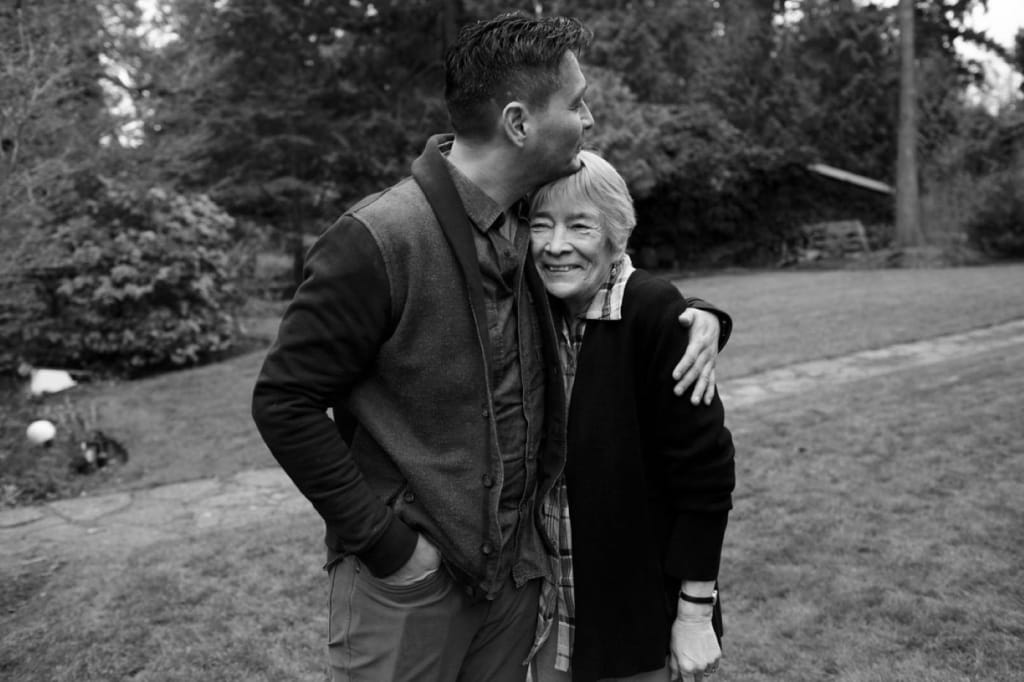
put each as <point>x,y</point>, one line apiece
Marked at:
<point>487,480</point>
<point>485,413</point>
<point>409,496</point>
<point>487,549</point>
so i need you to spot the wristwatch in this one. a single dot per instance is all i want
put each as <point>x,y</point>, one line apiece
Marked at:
<point>709,601</point>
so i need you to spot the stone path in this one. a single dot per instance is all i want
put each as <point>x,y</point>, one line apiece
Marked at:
<point>129,520</point>
<point>776,383</point>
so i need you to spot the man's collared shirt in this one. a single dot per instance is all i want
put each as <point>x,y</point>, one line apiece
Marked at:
<point>517,370</point>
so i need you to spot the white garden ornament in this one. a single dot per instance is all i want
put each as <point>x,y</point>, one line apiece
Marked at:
<point>41,431</point>
<point>43,381</point>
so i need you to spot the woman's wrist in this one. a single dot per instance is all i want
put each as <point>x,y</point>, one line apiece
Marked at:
<point>696,601</point>
<point>698,589</point>
<point>692,613</point>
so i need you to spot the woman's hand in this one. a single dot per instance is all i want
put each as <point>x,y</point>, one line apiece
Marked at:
<point>693,646</point>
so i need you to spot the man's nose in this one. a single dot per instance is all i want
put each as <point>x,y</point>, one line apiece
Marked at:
<point>588,117</point>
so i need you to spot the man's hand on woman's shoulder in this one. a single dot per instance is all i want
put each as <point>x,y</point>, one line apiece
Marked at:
<point>698,363</point>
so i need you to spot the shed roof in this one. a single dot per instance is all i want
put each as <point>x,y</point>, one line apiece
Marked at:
<point>852,178</point>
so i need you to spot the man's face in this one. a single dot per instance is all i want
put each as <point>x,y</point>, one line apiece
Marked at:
<point>558,129</point>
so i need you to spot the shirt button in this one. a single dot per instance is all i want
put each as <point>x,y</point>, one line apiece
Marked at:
<point>485,413</point>
<point>409,496</point>
<point>487,549</point>
<point>487,480</point>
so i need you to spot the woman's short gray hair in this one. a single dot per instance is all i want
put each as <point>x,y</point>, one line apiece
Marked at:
<point>599,183</point>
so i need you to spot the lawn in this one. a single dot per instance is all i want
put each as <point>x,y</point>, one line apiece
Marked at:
<point>196,423</point>
<point>785,317</point>
<point>229,605</point>
<point>877,535</point>
<point>878,531</point>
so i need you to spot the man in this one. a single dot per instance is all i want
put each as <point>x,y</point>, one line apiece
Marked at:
<point>421,325</point>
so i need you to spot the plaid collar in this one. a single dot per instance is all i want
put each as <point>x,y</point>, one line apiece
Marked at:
<point>607,302</point>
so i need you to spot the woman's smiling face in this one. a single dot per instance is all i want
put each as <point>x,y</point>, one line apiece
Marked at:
<point>573,255</point>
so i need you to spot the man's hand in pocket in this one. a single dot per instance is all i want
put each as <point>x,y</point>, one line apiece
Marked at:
<point>424,562</point>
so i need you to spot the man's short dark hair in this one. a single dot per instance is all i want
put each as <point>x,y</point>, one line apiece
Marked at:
<point>512,56</point>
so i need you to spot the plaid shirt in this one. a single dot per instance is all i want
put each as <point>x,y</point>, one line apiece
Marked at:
<point>556,597</point>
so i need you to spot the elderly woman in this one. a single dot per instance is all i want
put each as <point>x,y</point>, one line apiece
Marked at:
<point>642,507</point>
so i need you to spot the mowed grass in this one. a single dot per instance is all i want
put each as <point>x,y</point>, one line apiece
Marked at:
<point>196,423</point>
<point>247,604</point>
<point>878,532</point>
<point>784,317</point>
<point>877,535</point>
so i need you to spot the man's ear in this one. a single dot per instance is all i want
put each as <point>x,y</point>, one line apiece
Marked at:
<point>514,119</point>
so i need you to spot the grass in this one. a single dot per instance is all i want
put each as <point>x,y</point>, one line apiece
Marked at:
<point>227,606</point>
<point>782,318</point>
<point>877,533</point>
<point>196,423</point>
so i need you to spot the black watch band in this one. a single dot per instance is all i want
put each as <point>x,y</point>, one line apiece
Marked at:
<point>710,601</point>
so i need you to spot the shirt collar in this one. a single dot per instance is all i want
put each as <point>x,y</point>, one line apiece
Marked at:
<point>607,302</point>
<point>481,209</point>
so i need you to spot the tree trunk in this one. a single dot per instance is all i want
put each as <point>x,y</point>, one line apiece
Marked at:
<point>908,223</point>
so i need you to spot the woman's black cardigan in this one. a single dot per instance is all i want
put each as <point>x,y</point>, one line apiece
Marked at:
<point>650,480</point>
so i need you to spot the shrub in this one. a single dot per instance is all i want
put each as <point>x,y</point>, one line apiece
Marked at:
<point>711,192</point>
<point>997,226</point>
<point>138,279</point>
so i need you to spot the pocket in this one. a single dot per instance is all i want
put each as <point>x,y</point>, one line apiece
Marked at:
<point>434,583</point>
<point>413,584</point>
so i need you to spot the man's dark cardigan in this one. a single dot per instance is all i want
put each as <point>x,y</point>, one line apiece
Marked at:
<point>389,328</point>
<point>650,478</point>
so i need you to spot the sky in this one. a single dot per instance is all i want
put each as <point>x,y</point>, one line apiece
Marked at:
<point>1001,22</point>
